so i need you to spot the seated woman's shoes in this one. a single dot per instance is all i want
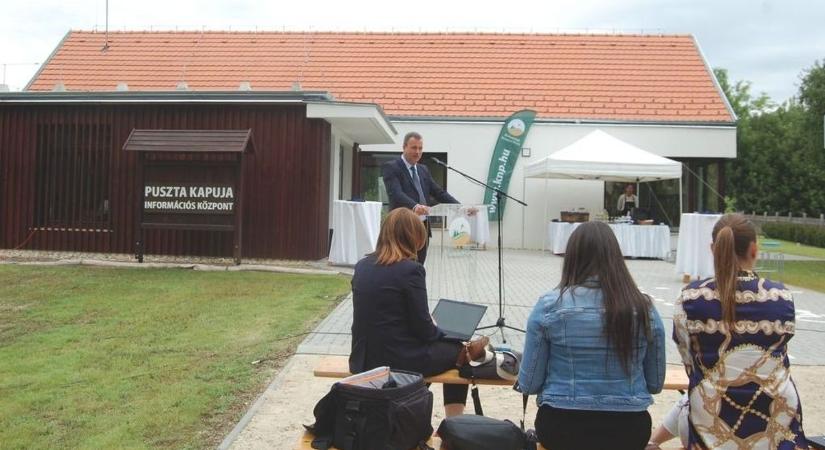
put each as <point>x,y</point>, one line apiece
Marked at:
<point>472,350</point>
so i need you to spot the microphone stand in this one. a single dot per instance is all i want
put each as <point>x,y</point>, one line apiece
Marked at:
<point>500,322</point>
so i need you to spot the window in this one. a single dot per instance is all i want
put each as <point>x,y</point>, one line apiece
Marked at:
<point>372,185</point>
<point>73,176</point>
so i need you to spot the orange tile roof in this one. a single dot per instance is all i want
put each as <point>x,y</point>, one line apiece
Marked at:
<point>565,76</point>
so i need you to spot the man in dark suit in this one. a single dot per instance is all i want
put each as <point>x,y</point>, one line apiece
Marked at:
<point>410,185</point>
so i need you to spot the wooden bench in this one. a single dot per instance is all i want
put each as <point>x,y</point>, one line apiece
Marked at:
<point>338,367</point>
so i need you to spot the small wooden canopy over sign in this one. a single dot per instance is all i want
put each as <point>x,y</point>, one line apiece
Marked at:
<point>190,141</point>
<point>190,180</point>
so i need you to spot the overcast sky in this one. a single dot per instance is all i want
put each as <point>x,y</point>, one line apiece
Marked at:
<point>767,42</point>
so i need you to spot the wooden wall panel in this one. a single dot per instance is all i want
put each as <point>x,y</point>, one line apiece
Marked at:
<point>285,193</point>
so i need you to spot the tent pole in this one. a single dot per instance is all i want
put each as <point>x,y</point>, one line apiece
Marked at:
<point>638,194</point>
<point>545,225</point>
<point>681,209</point>
<point>523,210</point>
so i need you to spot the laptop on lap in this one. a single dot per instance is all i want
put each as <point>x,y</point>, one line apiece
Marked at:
<point>458,320</point>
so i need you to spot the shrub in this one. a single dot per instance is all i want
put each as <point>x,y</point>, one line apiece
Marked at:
<point>804,234</point>
<point>730,204</point>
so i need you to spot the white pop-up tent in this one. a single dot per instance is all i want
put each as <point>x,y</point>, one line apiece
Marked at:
<point>600,156</point>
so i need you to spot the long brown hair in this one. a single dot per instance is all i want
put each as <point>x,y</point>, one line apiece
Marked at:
<point>732,237</point>
<point>402,236</point>
<point>593,252</point>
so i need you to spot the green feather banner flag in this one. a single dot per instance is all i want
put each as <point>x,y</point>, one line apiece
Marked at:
<point>508,147</point>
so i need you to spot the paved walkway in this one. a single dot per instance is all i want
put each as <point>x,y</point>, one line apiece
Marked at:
<point>274,420</point>
<point>472,275</point>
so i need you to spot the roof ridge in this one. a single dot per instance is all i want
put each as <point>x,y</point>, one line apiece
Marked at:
<point>391,33</point>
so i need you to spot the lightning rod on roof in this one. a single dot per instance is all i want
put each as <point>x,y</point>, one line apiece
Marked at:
<point>106,44</point>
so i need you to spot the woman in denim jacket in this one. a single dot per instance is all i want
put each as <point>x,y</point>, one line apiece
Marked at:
<point>594,351</point>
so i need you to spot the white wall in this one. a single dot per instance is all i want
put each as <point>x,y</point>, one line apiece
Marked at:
<point>336,189</point>
<point>470,145</point>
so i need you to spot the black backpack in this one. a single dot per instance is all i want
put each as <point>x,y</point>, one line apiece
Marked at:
<point>388,411</point>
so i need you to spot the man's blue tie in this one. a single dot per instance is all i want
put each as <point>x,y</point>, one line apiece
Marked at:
<point>417,183</point>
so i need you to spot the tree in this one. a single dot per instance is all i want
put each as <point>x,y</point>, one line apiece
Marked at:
<point>746,171</point>
<point>739,96</point>
<point>780,164</point>
<point>812,92</point>
<point>810,135</point>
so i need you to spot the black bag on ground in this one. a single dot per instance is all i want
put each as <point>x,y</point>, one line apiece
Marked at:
<point>471,432</point>
<point>381,409</point>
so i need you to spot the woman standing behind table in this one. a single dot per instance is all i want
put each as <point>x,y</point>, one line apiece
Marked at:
<point>391,322</point>
<point>594,351</point>
<point>627,201</point>
<point>732,331</point>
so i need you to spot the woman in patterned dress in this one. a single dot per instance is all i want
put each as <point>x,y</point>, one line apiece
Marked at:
<point>732,331</point>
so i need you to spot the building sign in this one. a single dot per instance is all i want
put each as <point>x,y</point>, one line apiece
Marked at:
<point>188,198</point>
<point>508,147</point>
<point>189,180</point>
<point>189,194</point>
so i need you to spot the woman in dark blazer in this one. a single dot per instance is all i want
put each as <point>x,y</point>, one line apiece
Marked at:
<point>392,325</point>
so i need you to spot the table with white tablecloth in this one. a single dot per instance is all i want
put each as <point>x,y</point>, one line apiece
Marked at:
<point>636,241</point>
<point>693,255</point>
<point>355,227</point>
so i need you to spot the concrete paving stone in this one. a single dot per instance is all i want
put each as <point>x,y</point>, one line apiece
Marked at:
<point>274,422</point>
<point>472,275</point>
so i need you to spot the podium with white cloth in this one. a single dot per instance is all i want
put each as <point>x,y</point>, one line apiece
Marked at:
<point>355,228</point>
<point>636,241</point>
<point>693,256</point>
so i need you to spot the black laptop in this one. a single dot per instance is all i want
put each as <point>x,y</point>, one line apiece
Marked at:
<point>458,320</point>
<point>817,442</point>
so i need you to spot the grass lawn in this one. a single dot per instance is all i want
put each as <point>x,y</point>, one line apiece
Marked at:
<point>791,248</point>
<point>143,358</point>
<point>806,274</point>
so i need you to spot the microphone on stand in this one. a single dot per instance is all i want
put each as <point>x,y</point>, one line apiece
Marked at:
<point>438,161</point>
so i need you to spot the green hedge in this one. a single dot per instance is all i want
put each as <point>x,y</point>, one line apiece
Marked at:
<point>804,234</point>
